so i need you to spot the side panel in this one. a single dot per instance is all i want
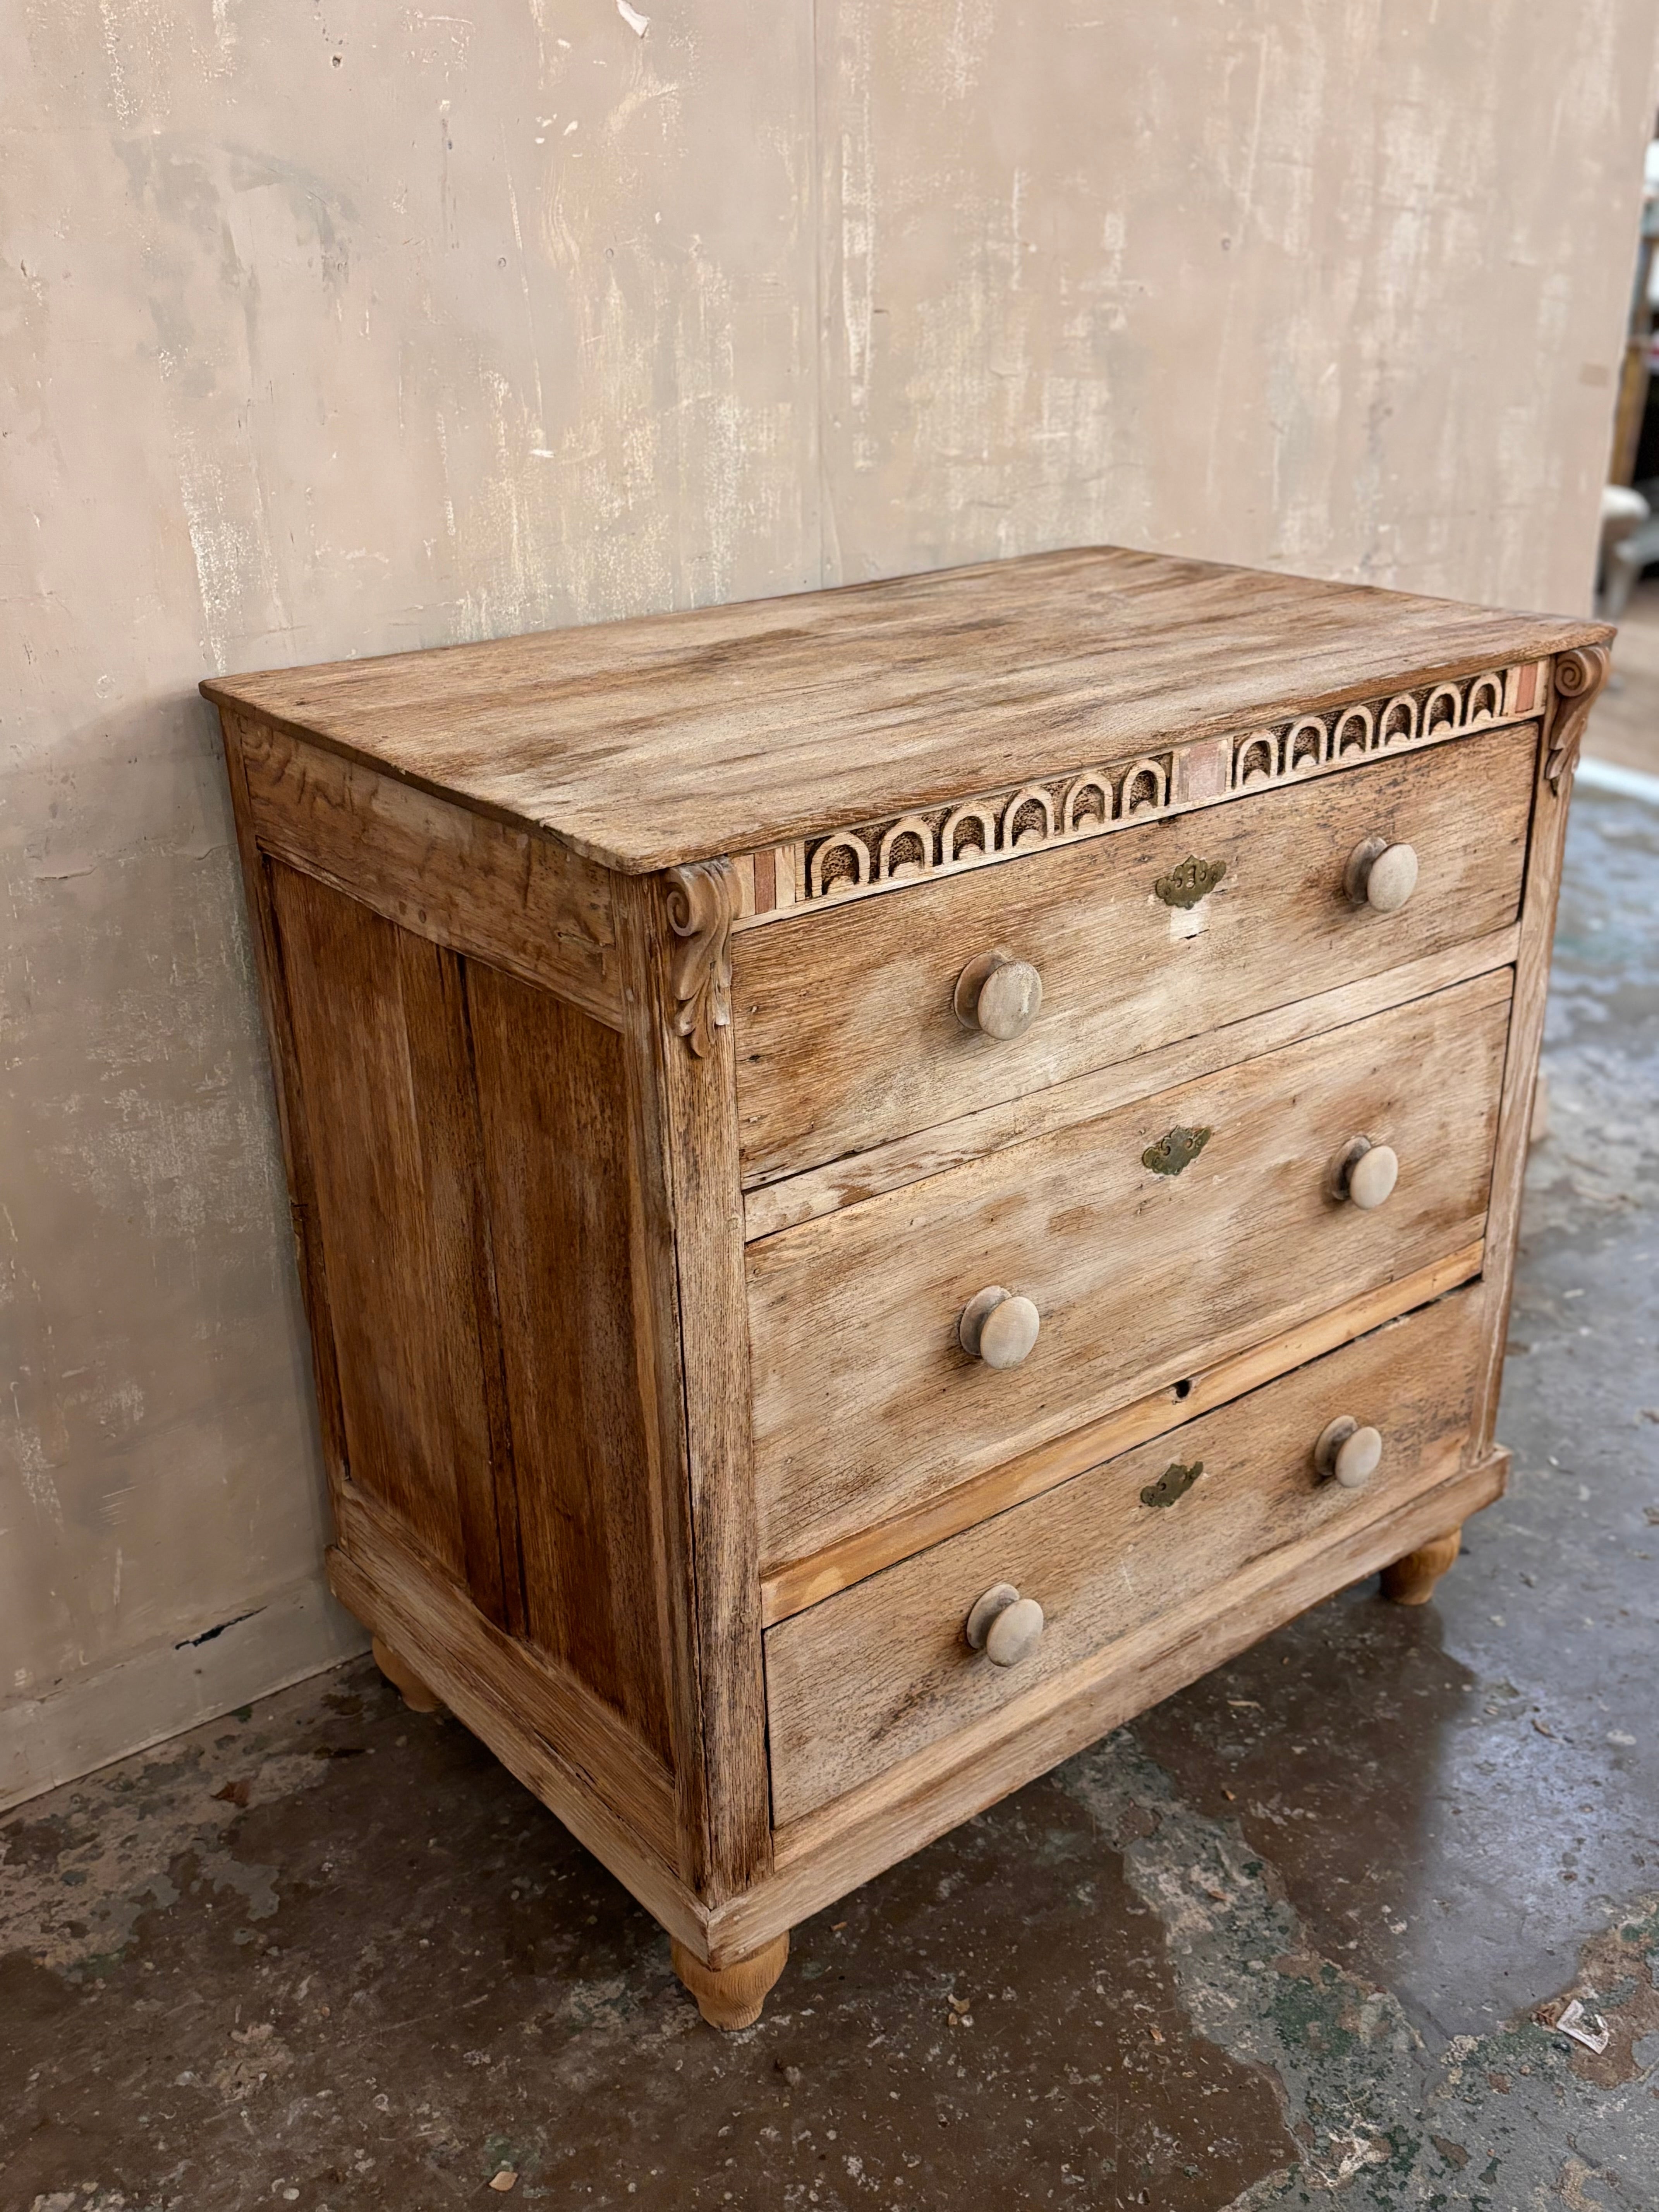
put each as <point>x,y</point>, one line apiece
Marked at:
<point>552,1087</point>
<point>465,880</point>
<point>378,1034</point>
<point>483,1274</point>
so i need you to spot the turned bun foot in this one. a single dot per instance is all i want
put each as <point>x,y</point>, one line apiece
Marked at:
<point>732,1997</point>
<point>1411,1581</point>
<point>416,1693</point>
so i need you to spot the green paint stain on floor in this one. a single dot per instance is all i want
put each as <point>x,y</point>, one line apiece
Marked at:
<point>1506,2121</point>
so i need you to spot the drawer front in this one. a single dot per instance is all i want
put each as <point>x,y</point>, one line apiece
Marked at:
<point>866,1404</point>
<point>882,1670</point>
<point>847,1032</point>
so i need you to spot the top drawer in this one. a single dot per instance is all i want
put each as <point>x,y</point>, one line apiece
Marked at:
<point>847,1035</point>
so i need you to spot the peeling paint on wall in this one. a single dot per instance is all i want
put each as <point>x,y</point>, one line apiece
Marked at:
<point>348,334</point>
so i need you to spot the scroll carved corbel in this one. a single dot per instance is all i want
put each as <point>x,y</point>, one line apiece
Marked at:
<point>1579,676</point>
<point>700,904</point>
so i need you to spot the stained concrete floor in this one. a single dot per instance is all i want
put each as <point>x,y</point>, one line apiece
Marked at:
<point>1283,1941</point>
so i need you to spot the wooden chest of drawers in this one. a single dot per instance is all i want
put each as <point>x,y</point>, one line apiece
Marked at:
<point>882,1178</point>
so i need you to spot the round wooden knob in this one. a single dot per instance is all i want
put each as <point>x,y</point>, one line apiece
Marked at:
<point>997,1327</point>
<point>999,995</point>
<point>1364,1173</point>
<point>1347,1453</point>
<point>1373,1175</point>
<point>1381,876</point>
<point>1005,1626</point>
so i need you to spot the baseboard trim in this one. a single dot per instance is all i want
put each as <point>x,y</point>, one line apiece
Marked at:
<point>1613,775</point>
<point>92,1720</point>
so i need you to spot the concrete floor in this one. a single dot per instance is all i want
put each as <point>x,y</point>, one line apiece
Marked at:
<point>1284,1939</point>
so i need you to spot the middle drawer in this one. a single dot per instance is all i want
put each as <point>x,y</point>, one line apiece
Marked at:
<point>865,1401</point>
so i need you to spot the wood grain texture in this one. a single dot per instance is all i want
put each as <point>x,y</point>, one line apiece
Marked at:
<point>1577,679</point>
<point>848,1841</point>
<point>792,1588</point>
<point>686,1125</point>
<point>457,1286</point>
<point>662,1381</point>
<point>552,1091</point>
<point>562,1743</point>
<point>397,1207</point>
<point>847,1035</point>
<point>876,1674</point>
<point>732,1997</point>
<point>989,829</point>
<point>865,1403</point>
<point>1411,1581</point>
<point>293,1125</point>
<point>574,1414</point>
<point>768,1207</point>
<point>682,737</point>
<point>420,1697</point>
<point>510,896</point>
<point>1553,795</point>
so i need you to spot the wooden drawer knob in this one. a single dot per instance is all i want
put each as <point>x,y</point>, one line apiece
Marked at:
<point>998,994</point>
<point>997,1327</point>
<point>1347,1453</point>
<point>1005,1626</point>
<point>1381,876</point>
<point>1364,1174</point>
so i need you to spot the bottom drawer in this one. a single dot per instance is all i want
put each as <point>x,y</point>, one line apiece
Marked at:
<point>883,1669</point>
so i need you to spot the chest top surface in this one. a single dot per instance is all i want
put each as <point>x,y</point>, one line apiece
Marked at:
<point>678,736</point>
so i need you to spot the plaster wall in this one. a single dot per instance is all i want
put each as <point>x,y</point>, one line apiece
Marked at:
<point>345,329</point>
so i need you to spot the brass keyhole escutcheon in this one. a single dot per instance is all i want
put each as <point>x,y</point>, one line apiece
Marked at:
<point>1175,1482</point>
<point>1192,880</point>
<point>1178,1150</point>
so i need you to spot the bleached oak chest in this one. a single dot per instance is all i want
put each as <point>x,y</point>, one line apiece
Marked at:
<point>882,1178</point>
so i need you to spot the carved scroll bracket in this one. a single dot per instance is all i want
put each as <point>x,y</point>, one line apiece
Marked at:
<point>1579,676</point>
<point>702,897</point>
